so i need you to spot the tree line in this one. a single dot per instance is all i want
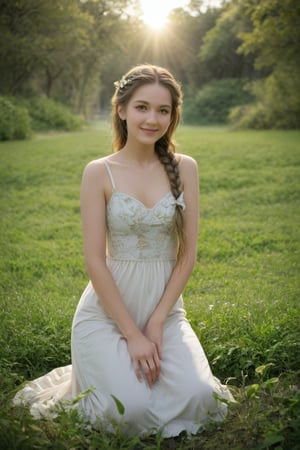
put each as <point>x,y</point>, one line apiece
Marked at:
<point>241,58</point>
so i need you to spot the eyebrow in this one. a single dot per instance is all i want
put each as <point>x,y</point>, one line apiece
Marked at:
<point>147,103</point>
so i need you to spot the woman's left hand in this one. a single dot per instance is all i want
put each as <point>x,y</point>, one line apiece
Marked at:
<point>154,332</point>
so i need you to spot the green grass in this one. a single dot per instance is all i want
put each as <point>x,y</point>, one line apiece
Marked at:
<point>242,299</point>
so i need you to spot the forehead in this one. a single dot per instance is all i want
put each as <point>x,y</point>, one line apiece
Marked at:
<point>153,93</point>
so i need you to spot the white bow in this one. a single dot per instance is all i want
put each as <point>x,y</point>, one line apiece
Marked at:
<point>179,201</point>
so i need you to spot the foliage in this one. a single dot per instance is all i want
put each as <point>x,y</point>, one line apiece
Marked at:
<point>20,116</point>
<point>277,106</point>
<point>47,114</point>
<point>14,121</point>
<point>56,48</point>
<point>188,31</point>
<point>218,53</point>
<point>36,36</point>
<point>274,40</point>
<point>242,299</point>
<point>275,34</point>
<point>212,103</point>
<point>251,115</point>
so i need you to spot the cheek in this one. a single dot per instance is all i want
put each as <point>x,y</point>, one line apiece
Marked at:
<point>167,122</point>
<point>135,115</point>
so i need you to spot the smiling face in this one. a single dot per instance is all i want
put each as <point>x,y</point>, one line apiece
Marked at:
<point>147,114</point>
<point>167,94</point>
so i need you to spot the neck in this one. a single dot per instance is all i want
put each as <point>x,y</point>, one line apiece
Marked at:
<point>142,155</point>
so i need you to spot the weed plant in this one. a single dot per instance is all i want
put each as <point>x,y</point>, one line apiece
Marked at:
<point>242,299</point>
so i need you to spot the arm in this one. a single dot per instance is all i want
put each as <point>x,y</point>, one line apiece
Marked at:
<point>183,268</point>
<point>93,212</point>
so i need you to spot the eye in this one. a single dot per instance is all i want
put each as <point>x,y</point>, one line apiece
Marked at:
<point>164,111</point>
<point>141,107</point>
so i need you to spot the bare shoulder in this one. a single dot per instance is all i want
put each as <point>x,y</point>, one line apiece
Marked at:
<point>95,170</point>
<point>93,166</point>
<point>187,165</point>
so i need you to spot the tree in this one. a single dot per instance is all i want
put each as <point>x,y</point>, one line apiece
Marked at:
<point>38,37</point>
<point>104,34</point>
<point>190,28</point>
<point>274,40</point>
<point>219,50</point>
<point>57,48</point>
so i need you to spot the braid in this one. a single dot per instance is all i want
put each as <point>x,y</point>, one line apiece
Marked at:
<point>170,164</point>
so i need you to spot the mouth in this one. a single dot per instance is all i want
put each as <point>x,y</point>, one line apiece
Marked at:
<point>149,130</point>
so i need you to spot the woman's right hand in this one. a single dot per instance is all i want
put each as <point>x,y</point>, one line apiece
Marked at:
<point>144,355</point>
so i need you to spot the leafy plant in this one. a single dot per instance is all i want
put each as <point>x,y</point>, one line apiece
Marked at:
<point>14,121</point>
<point>212,103</point>
<point>47,114</point>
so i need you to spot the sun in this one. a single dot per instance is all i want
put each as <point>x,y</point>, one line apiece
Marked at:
<point>156,12</point>
<point>155,15</point>
<point>157,23</point>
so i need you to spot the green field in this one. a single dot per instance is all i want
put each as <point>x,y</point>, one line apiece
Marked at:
<point>242,299</point>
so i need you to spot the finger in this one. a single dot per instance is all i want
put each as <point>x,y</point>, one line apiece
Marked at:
<point>158,349</point>
<point>157,364</point>
<point>137,371</point>
<point>148,373</point>
<point>153,369</point>
<point>156,360</point>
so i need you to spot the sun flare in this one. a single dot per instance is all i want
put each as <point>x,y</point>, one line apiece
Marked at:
<point>156,12</point>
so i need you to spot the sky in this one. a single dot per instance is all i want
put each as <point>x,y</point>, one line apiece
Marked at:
<point>165,5</point>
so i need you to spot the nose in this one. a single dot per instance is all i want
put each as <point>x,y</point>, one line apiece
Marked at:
<point>151,116</point>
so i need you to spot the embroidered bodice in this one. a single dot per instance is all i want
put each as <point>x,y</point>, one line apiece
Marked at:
<point>136,232</point>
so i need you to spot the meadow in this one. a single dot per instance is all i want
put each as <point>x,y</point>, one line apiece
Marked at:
<point>242,299</point>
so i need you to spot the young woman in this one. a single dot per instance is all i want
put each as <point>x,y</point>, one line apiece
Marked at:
<point>131,341</point>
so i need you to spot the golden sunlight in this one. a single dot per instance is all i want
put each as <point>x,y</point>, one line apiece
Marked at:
<point>155,12</point>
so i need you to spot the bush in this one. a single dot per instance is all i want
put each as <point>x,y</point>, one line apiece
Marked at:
<point>47,114</point>
<point>249,116</point>
<point>14,121</point>
<point>211,105</point>
<point>277,104</point>
<point>19,116</point>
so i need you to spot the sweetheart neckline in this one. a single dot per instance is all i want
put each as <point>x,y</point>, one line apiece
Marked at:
<point>139,201</point>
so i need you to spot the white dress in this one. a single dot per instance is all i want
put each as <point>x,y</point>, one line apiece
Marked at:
<point>141,258</point>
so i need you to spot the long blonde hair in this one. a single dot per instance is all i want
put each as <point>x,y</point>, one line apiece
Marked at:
<point>165,146</point>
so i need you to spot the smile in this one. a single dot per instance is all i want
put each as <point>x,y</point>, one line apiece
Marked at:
<point>148,130</point>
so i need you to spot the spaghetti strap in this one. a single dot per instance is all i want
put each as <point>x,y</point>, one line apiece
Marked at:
<point>110,175</point>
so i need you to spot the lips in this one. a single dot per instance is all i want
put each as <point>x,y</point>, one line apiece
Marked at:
<point>148,130</point>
